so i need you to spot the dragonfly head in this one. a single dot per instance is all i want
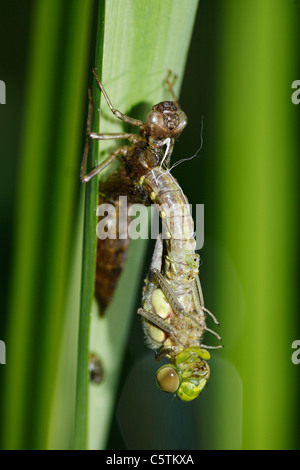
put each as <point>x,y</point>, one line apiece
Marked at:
<point>187,376</point>
<point>165,120</point>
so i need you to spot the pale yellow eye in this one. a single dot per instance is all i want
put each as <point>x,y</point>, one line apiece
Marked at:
<point>167,379</point>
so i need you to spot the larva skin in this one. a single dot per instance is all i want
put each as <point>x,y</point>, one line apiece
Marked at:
<point>111,257</point>
<point>112,252</point>
<point>179,267</point>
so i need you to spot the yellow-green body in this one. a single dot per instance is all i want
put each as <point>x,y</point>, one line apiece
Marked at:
<point>175,322</point>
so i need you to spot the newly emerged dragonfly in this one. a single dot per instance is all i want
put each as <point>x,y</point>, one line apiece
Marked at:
<point>173,306</point>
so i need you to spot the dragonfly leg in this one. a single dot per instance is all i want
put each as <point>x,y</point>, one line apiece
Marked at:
<point>199,300</point>
<point>156,261</point>
<point>205,346</point>
<point>176,306</point>
<point>155,319</point>
<point>84,178</point>
<point>162,352</point>
<point>133,138</point>
<point>170,86</point>
<point>198,289</point>
<point>158,321</point>
<point>168,292</point>
<point>116,112</point>
<point>88,130</point>
<point>211,315</point>
<point>213,332</point>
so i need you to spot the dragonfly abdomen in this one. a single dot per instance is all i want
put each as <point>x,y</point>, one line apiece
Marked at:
<point>181,261</point>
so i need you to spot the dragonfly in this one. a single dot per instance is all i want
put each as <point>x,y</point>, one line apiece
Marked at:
<point>173,309</point>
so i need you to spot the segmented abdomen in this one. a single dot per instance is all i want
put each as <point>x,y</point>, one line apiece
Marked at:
<point>181,261</point>
<point>180,267</point>
<point>111,257</point>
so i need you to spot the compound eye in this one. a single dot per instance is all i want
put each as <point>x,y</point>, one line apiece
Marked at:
<point>156,122</point>
<point>167,379</point>
<point>182,121</point>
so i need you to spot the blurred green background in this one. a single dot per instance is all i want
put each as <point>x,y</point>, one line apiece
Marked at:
<point>242,61</point>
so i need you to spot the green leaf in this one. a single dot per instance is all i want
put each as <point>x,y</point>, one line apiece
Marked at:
<point>46,210</point>
<point>256,223</point>
<point>137,43</point>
